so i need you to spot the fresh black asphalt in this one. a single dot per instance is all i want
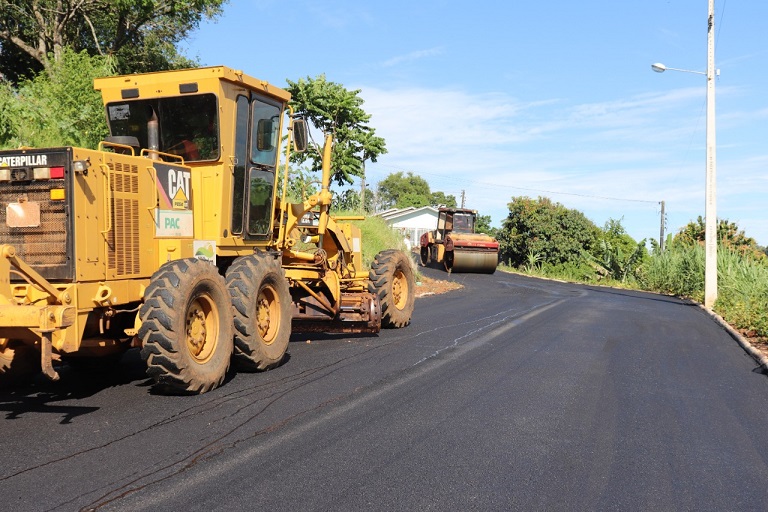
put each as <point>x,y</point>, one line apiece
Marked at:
<point>511,393</point>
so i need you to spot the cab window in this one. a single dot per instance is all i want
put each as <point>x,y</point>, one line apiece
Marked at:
<point>265,134</point>
<point>188,125</point>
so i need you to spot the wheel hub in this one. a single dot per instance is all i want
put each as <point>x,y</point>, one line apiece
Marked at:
<point>264,317</point>
<point>399,289</point>
<point>196,331</point>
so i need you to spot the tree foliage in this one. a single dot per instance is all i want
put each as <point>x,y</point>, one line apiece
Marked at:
<point>483,225</point>
<point>438,198</point>
<point>728,235</point>
<point>140,34</point>
<point>57,108</point>
<point>400,190</point>
<point>616,254</point>
<point>349,201</point>
<point>550,231</point>
<point>334,110</point>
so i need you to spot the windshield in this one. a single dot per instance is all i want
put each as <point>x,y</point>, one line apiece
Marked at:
<point>463,223</point>
<point>188,125</point>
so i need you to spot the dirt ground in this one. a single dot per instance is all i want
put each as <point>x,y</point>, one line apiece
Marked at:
<point>428,286</point>
<point>759,343</point>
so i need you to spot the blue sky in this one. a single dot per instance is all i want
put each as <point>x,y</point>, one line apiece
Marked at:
<point>549,98</point>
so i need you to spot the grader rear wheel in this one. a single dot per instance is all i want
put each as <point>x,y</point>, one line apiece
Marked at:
<point>391,278</point>
<point>187,327</point>
<point>262,311</point>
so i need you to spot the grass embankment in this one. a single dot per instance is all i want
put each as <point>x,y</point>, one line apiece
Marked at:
<point>376,234</point>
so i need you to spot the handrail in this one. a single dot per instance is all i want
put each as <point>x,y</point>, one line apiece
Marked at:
<point>108,198</point>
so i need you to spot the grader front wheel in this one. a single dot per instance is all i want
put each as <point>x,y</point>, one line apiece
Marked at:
<point>186,327</point>
<point>391,278</point>
<point>262,311</point>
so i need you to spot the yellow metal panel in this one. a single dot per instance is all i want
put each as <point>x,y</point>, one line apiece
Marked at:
<point>88,201</point>
<point>170,249</point>
<point>166,83</point>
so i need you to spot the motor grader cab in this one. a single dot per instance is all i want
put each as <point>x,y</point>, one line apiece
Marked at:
<point>175,236</point>
<point>456,246</point>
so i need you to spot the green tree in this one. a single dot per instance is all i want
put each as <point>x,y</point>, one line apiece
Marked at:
<point>141,34</point>
<point>399,190</point>
<point>483,225</point>
<point>440,199</point>
<point>349,201</point>
<point>615,236</point>
<point>728,235</point>
<point>57,108</point>
<point>616,254</point>
<point>301,185</point>
<point>554,233</point>
<point>335,110</point>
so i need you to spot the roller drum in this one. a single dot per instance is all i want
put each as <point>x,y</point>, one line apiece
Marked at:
<point>483,262</point>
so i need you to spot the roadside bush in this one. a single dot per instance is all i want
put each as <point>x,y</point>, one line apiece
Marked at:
<point>550,230</point>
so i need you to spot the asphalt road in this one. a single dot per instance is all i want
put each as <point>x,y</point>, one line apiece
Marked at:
<point>509,394</point>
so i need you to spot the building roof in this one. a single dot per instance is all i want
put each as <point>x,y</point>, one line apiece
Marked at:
<point>393,214</point>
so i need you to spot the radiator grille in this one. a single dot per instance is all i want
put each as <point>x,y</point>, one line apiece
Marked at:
<point>123,248</point>
<point>43,247</point>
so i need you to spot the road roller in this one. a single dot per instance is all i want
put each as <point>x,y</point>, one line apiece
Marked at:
<point>456,246</point>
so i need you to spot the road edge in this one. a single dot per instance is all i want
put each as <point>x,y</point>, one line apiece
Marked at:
<point>741,340</point>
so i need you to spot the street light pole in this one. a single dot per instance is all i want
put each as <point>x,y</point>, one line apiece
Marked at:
<point>710,192</point>
<point>710,211</point>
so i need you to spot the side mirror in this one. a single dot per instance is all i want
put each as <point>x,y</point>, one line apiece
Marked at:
<point>300,135</point>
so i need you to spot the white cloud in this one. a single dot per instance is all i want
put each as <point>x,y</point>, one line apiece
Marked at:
<point>644,149</point>
<point>409,57</point>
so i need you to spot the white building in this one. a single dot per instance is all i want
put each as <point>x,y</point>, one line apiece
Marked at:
<point>411,222</point>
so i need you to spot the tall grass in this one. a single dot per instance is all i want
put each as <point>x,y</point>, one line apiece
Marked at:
<point>678,271</point>
<point>742,292</point>
<point>742,283</point>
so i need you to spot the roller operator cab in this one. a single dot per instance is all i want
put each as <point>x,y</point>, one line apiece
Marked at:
<point>175,236</point>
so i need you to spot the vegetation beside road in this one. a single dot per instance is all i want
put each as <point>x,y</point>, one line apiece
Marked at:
<point>546,239</point>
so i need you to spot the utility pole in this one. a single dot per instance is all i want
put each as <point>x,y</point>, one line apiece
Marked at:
<point>661,231</point>
<point>362,190</point>
<point>463,197</point>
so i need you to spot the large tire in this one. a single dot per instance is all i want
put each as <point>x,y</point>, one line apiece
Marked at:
<point>391,278</point>
<point>186,327</point>
<point>18,363</point>
<point>261,304</point>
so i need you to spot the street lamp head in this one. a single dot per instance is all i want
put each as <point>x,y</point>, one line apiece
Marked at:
<point>658,67</point>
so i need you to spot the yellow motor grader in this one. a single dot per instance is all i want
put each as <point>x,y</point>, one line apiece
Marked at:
<point>456,246</point>
<point>175,235</point>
